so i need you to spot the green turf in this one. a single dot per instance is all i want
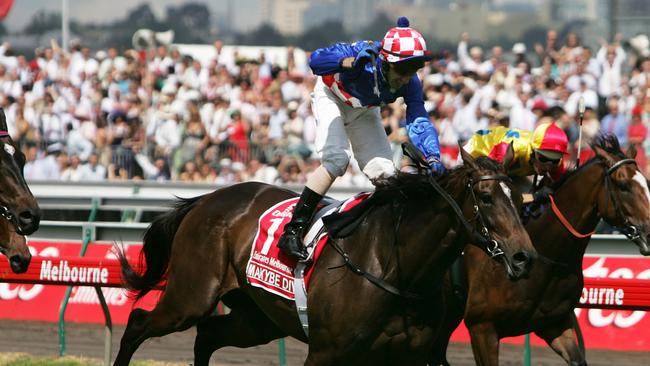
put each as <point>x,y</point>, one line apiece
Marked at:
<point>21,359</point>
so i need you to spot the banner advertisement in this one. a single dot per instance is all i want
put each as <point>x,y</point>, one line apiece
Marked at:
<point>39,302</point>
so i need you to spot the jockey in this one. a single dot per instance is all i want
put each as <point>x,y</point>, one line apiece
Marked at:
<point>354,80</point>
<point>540,152</point>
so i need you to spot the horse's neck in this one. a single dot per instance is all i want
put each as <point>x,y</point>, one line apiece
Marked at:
<point>434,245</point>
<point>576,199</point>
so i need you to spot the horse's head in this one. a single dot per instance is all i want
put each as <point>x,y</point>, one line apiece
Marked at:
<point>624,201</point>
<point>494,203</point>
<point>14,246</point>
<point>17,204</point>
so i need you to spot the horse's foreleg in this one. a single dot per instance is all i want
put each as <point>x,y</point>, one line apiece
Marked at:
<point>245,326</point>
<point>562,340</point>
<point>485,344</point>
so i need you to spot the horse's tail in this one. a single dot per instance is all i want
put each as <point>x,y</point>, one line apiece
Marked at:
<point>156,250</point>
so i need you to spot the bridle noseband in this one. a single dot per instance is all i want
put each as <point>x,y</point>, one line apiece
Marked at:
<point>482,235</point>
<point>628,229</point>
<point>6,213</point>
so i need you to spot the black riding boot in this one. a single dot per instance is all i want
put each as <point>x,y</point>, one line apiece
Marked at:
<point>291,240</point>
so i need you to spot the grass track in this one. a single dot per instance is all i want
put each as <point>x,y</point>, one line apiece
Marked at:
<point>23,359</point>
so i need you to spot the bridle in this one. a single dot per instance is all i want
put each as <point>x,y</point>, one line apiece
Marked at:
<point>482,235</point>
<point>6,213</point>
<point>628,229</point>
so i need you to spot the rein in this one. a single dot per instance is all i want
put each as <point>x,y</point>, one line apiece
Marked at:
<point>629,230</point>
<point>482,236</point>
<point>566,222</point>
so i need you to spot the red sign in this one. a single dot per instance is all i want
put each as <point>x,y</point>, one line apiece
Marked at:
<point>19,301</point>
<point>622,330</point>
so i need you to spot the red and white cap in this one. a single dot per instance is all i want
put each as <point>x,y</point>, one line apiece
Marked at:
<point>403,43</point>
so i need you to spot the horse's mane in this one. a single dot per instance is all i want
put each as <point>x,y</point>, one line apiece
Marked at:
<point>609,143</point>
<point>417,186</point>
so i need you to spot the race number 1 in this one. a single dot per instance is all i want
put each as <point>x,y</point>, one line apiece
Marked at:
<point>270,234</point>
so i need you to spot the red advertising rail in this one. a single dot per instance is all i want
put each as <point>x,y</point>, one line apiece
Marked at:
<point>615,294</point>
<point>71,271</point>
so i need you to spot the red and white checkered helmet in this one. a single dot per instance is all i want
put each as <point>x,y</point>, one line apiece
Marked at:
<point>403,43</point>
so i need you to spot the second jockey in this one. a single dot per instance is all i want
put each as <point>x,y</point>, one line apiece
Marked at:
<point>538,153</point>
<point>354,80</point>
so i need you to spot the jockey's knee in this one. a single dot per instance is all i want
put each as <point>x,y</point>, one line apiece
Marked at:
<point>336,163</point>
<point>379,168</point>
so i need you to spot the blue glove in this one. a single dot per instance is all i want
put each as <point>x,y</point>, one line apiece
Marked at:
<point>541,195</point>
<point>436,166</point>
<point>365,55</point>
<point>425,137</point>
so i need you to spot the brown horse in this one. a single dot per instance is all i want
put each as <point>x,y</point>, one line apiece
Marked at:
<point>203,245</point>
<point>608,186</point>
<point>14,246</point>
<point>18,206</point>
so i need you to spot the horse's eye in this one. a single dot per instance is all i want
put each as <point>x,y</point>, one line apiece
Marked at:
<point>485,198</point>
<point>624,186</point>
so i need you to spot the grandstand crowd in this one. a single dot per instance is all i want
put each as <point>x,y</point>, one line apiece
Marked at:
<point>160,115</point>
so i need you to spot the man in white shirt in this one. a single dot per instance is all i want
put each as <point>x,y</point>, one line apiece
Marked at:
<point>472,60</point>
<point>92,171</point>
<point>611,59</point>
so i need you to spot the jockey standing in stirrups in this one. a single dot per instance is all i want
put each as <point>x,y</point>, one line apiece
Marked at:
<point>539,153</point>
<point>352,84</point>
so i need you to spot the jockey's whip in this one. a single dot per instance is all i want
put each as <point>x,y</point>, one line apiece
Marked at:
<point>581,112</point>
<point>375,88</point>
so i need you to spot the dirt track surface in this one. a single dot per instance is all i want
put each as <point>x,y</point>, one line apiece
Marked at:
<point>39,338</point>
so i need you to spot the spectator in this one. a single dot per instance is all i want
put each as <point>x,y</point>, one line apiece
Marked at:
<point>47,167</point>
<point>72,173</point>
<point>615,123</point>
<point>637,133</point>
<point>92,170</point>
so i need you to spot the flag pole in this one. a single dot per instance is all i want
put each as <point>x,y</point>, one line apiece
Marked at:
<point>581,111</point>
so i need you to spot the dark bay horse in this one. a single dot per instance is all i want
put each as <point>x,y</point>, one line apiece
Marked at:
<point>14,246</point>
<point>609,186</point>
<point>18,207</point>
<point>202,247</point>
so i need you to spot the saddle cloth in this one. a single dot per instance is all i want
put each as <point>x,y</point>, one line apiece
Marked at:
<point>268,268</point>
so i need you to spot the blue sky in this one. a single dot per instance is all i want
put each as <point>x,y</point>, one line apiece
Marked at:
<point>101,11</point>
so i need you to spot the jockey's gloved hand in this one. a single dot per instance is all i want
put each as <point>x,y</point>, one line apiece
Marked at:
<point>530,211</point>
<point>365,55</point>
<point>541,195</point>
<point>436,166</point>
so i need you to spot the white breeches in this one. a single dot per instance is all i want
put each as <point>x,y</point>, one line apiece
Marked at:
<point>340,126</point>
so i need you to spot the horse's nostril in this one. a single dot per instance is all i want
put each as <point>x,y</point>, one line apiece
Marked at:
<point>19,263</point>
<point>26,217</point>
<point>521,259</point>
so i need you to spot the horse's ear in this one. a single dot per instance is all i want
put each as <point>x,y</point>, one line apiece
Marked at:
<point>3,121</point>
<point>604,154</point>
<point>509,157</point>
<point>467,158</point>
<point>631,152</point>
